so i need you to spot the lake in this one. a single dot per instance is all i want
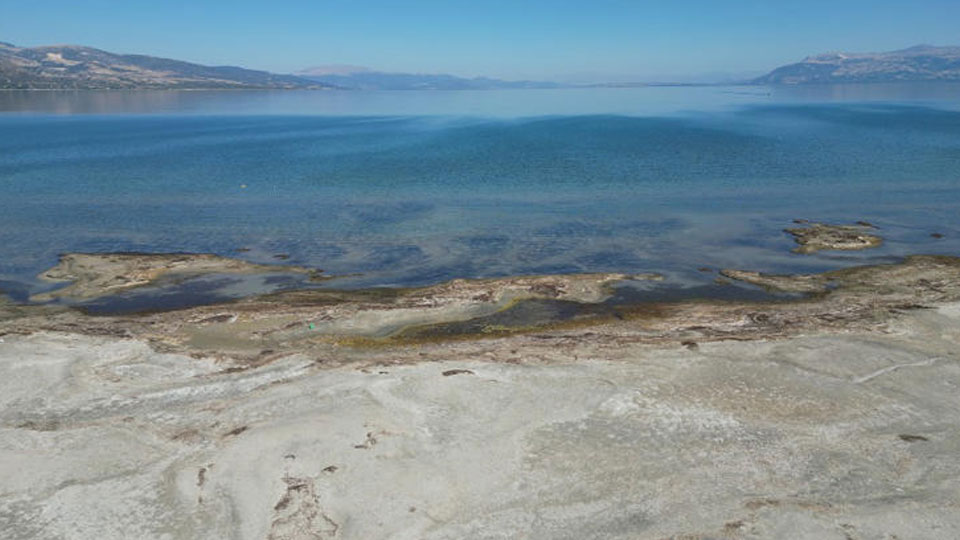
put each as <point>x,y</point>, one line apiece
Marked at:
<point>413,188</point>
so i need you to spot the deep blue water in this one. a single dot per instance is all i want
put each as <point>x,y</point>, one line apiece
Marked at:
<point>682,180</point>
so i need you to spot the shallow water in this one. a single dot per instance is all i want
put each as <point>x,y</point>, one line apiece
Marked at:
<point>411,188</point>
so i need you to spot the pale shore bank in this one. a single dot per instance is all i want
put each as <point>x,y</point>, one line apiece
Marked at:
<point>527,407</point>
<point>851,435</point>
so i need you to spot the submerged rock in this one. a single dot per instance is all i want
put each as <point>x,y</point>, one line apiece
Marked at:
<point>10,310</point>
<point>99,274</point>
<point>786,283</point>
<point>923,277</point>
<point>820,236</point>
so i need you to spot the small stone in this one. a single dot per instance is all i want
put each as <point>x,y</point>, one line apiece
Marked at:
<point>450,372</point>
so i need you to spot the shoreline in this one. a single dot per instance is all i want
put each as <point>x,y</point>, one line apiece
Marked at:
<point>535,406</point>
<point>313,319</point>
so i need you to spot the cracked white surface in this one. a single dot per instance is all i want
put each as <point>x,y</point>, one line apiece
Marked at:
<point>799,438</point>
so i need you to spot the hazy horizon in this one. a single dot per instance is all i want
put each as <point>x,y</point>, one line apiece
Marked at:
<point>567,41</point>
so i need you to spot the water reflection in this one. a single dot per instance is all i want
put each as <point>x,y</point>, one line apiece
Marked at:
<point>533,102</point>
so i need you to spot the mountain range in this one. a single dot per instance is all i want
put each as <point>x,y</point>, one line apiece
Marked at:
<point>360,78</point>
<point>920,63</point>
<point>62,67</point>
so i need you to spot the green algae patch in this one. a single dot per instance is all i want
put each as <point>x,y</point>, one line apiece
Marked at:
<point>528,316</point>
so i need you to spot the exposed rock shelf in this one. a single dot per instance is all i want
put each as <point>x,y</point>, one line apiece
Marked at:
<point>94,275</point>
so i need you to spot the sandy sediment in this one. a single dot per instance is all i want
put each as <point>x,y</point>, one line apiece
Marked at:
<point>93,275</point>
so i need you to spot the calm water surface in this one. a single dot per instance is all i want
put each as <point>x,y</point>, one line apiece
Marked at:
<point>420,187</point>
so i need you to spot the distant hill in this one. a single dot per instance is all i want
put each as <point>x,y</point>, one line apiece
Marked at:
<point>360,78</point>
<point>64,67</point>
<point>920,63</point>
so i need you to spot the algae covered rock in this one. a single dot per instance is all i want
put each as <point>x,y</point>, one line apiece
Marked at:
<point>821,236</point>
<point>97,274</point>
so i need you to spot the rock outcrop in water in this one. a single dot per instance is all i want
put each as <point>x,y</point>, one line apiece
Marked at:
<point>93,275</point>
<point>815,237</point>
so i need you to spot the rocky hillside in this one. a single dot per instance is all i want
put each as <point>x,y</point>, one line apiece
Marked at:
<point>920,63</point>
<point>64,67</point>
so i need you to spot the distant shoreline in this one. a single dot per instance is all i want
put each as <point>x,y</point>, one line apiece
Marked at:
<point>599,86</point>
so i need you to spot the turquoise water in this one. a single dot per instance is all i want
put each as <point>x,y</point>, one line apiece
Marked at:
<point>405,190</point>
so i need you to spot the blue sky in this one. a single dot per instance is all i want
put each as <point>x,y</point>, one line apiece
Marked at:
<point>538,39</point>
